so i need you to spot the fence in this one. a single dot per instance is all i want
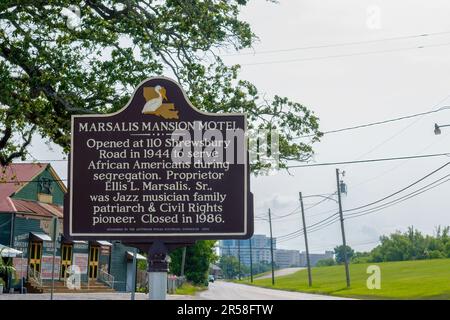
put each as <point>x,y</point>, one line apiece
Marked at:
<point>174,282</point>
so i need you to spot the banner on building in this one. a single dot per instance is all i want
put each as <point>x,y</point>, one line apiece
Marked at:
<point>20,265</point>
<point>81,260</point>
<point>47,267</point>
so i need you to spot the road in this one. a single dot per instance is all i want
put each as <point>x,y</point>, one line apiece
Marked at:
<point>281,272</point>
<point>218,290</point>
<point>221,290</point>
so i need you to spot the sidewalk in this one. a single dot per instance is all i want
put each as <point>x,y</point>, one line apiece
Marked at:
<point>86,296</point>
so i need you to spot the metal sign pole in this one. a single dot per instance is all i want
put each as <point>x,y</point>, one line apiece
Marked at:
<point>133,281</point>
<point>158,266</point>
<point>21,272</point>
<point>55,236</point>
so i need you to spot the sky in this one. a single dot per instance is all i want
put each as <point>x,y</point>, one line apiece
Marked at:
<point>345,85</point>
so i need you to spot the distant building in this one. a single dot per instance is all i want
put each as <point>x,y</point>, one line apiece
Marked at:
<point>216,271</point>
<point>283,258</point>
<point>260,249</point>
<point>287,258</point>
<point>314,257</point>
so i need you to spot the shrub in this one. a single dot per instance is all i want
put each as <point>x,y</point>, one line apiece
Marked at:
<point>325,262</point>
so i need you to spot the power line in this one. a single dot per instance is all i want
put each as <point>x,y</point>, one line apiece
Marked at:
<point>36,181</point>
<point>285,215</point>
<point>320,202</point>
<point>368,160</point>
<point>435,107</point>
<point>351,43</point>
<point>378,122</point>
<point>325,222</point>
<point>345,55</point>
<point>318,228</point>
<point>394,202</point>
<point>333,218</point>
<point>401,190</point>
<point>42,160</point>
<point>312,226</point>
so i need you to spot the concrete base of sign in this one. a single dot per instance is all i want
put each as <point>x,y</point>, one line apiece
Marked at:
<point>157,282</point>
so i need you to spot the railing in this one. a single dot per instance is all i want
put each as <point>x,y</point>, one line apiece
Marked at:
<point>35,276</point>
<point>106,278</point>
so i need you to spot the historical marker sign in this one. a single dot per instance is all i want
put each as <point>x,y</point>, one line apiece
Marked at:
<point>159,169</point>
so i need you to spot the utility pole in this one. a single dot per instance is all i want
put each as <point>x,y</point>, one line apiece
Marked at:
<point>55,229</point>
<point>344,243</point>
<point>271,248</point>
<point>239,259</point>
<point>251,260</point>
<point>308,263</point>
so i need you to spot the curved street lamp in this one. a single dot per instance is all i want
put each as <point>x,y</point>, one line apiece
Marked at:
<point>437,128</point>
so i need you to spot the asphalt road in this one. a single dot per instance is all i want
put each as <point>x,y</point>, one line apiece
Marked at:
<point>221,290</point>
<point>281,272</point>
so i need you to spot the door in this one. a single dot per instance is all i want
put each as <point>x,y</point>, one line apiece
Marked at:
<point>66,259</point>
<point>93,263</point>
<point>35,256</point>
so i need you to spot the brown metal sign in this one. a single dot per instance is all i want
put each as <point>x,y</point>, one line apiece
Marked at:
<point>159,169</point>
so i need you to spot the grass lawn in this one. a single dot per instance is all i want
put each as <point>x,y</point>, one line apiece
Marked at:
<point>424,279</point>
<point>189,289</point>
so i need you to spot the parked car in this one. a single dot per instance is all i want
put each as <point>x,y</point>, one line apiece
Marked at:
<point>211,278</point>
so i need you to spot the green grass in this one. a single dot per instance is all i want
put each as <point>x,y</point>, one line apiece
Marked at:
<point>424,279</point>
<point>254,276</point>
<point>189,289</point>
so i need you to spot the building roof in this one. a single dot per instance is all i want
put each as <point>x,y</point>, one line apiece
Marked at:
<point>37,208</point>
<point>13,177</point>
<point>8,252</point>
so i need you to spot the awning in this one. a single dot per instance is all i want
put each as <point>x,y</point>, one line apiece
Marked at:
<point>69,241</point>
<point>104,243</point>
<point>40,236</point>
<point>7,252</point>
<point>138,256</point>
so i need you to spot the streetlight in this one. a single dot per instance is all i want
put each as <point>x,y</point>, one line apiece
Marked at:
<point>437,128</point>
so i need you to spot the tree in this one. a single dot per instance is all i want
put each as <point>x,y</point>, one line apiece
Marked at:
<point>51,68</point>
<point>229,266</point>
<point>198,258</point>
<point>360,257</point>
<point>339,254</point>
<point>261,267</point>
<point>6,268</point>
<point>412,245</point>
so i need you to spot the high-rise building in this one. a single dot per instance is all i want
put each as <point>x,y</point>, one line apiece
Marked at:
<point>283,258</point>
<point>260,249</point>
<point>287,258</point>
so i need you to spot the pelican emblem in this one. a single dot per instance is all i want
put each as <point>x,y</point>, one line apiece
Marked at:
<point>155,97</point>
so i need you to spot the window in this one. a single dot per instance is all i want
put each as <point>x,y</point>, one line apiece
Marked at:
<point>45,186</point>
